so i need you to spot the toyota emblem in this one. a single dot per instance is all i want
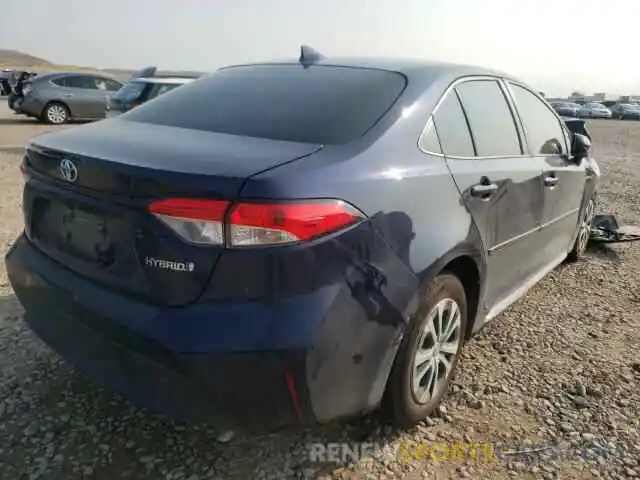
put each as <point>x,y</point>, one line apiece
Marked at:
<point>67,170</point>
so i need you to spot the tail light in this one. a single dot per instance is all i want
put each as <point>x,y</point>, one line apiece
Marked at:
<point>196,221</point>
<point>214,222</point>
<point>23,168</point>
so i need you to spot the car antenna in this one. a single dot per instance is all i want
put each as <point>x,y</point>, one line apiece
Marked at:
<point>309,56</point>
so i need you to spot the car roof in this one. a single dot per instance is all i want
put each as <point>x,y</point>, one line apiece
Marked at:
<point>49,76</point>
<point>416,68</point>
<point>166,80</point>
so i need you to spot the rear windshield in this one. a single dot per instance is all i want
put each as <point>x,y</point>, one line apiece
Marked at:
<point>130,91</point>
<point>321,104</point>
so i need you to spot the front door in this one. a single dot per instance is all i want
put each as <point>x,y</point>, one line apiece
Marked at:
<point>563,180</point>
<point>500,185</point>
<point>87,96</point>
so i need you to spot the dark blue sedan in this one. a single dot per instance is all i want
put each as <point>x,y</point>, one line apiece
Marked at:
<point>298,241</point>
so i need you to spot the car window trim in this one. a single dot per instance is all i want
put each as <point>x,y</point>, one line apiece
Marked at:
<point>452,86</point>
<point>431,125</point>
<point>466,120</point>
<point>563,126</point>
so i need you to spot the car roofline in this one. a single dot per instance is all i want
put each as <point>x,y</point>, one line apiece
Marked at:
<point>407,66</point>
<point>167,80</point>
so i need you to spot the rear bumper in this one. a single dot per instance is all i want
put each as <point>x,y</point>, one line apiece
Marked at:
<point>31,106</point>
<point>230,390</point>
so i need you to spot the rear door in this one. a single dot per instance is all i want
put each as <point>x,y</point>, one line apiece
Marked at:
<point>563,180</point>
<point>80,94</point>
<point>91,211</point>
<point>500,185</point>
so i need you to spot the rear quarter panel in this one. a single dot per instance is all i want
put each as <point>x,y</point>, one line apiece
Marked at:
<point>415,211</point>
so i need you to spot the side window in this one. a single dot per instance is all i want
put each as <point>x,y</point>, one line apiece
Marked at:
<point>543,129</point>
<point>88,83</point>
<point>429,139</point>
<point>112,86</point>
<point>490,119</point>
<point>60,82</point>
<point>452,128</point>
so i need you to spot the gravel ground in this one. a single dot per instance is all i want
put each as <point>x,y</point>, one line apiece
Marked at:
<point>561,366</point>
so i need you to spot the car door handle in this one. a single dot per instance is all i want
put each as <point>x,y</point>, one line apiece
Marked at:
<point>550,181</point>
<point>68,95</point>
<point>484,190</point>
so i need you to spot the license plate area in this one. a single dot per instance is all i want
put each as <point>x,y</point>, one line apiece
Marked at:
<point>86,234</point>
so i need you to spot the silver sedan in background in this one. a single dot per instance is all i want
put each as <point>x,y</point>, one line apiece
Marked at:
<point>626,111</point>
<point>59,97</point>
<point>594,110</point>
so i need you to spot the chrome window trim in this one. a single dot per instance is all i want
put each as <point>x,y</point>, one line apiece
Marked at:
<point>503,83</point>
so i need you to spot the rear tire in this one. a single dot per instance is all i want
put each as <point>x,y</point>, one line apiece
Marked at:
<point>429,352</point>
<point>55,113</point>
<point>584,232</point>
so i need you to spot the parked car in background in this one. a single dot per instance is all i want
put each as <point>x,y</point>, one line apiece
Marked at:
<point>626,111</point>
<point>566,108</point>
<point>17,80</point>
<point>594,110</point>
<point>217,253</point>
<point>577,125</point>
<point>5,87</point>
<point>140,90</point>
<point>60,97</point>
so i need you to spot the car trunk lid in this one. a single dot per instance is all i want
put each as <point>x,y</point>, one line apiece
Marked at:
<point>88,190</point>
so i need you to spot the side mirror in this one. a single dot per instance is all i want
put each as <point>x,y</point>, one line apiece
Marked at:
<point>580,147</point>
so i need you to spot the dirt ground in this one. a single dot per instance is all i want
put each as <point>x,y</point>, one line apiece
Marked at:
<point>560,367</point>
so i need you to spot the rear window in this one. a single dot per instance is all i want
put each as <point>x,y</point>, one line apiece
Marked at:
<point>130,91</point>
<point>320,104</point>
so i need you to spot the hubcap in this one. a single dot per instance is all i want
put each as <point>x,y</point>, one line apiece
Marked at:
<point>585,226</point>
<point>437,347</point>
<point>56,114</point>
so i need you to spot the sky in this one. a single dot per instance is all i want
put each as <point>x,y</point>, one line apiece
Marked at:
<point>556,45</point>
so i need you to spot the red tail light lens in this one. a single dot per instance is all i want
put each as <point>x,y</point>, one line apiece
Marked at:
<point>23,168</point>
<point>253,224</point>
<point>281,223</point>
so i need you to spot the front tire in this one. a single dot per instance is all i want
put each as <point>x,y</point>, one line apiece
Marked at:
<point>56,113</point>
<point>429,352</point>
<point>584,232</point>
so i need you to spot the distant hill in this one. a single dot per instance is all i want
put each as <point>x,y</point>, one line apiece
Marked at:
<point>19,60</point>
<point>15,59</point>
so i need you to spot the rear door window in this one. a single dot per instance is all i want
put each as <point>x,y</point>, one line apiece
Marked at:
<point>492,124</point>
<point>80,81</point>
<point>319,105</point>
<point>60,82</point>
<point>451,126</point>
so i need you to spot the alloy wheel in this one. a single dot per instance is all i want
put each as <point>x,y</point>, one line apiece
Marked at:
<point>438,344</point>
<point>585,226</point>
<point>56,114</point>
